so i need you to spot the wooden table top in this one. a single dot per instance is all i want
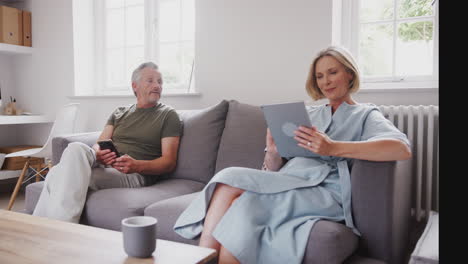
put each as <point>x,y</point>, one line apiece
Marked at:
<point>30,239</point>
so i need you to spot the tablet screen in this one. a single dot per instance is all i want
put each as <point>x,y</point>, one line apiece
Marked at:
<point>283,119</point>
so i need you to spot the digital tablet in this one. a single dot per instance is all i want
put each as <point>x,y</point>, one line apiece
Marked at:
<point>283,119</point>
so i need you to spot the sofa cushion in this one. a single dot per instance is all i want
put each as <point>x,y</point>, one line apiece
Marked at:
<point>244,132</point>
<point>167,212</point>
<point>330,242</point>
<point>199,142</point>
<point>33,191</point>
<point>106,208</point>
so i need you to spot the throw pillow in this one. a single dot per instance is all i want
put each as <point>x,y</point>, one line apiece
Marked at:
<point>199,142</point>
<point>245,132</point>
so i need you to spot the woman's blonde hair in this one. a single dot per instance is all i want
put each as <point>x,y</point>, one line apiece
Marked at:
<point>345,58</point>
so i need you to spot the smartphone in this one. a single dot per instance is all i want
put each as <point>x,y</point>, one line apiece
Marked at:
<point>108,144</point>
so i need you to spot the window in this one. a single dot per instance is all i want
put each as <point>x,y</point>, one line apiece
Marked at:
<point>129,32</point>
<point>392,40</point>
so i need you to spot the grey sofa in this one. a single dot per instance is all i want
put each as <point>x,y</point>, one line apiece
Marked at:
<point>233,134</point>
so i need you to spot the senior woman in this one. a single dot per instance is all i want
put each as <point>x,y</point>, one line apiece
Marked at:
<point>265,216</point>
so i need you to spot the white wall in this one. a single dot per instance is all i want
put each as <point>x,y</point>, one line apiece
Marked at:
<point>252,51</point>
<point>42,80</point>
<point>7,133</point>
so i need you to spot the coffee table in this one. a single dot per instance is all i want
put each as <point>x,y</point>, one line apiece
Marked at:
<point>30,239</point>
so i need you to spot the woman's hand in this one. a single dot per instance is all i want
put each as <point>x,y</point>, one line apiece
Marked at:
<point>313,140</point>
<point>105,156</point>
<point>126,164</point>
<point>270,143</point>
<point>273,160</point>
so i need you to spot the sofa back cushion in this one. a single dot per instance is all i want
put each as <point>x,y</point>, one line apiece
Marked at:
<point>199,142</point>
<point>243,140</point>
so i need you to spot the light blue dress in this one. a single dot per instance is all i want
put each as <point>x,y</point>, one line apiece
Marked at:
<point>271,221</point>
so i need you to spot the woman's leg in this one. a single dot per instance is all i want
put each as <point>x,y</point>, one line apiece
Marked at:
<point>223,196</point>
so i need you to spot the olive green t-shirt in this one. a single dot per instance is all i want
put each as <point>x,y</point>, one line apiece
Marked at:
<point>138,131</point>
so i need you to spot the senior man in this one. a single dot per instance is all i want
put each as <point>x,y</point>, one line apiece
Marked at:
<point>146,135</point>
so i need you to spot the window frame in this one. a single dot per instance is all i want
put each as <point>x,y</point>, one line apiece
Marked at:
<point>345,28</point>
<point>151,51</point>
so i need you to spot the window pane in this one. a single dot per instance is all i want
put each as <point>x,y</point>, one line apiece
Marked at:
<point>376,10</point>
<point>414,8</point>
<point>415,49</point>
<point>115,67</point>
<point>376,49</point>
<point>170,63</point>
<point>135,57</point>
<point>188,19</point>
<point>169,20</point>
<point>114,26</point>
<point>114,3</point>
<point>135,25</point>
<point>134,2</point>
<point>187,51</point>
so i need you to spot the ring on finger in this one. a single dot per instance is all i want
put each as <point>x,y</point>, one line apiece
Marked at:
<point>308,143</point>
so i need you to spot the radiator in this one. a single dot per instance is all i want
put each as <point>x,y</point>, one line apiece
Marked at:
<point>421,125</point>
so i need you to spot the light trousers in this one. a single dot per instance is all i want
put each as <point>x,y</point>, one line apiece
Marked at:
<point>66,185</point>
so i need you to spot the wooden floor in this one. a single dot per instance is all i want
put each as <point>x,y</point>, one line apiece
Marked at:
<point>18,206</point>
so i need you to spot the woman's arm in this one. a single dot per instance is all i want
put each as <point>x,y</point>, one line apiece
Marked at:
<point>377,150</point>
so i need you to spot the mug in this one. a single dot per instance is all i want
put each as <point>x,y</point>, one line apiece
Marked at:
<point>139,236</point>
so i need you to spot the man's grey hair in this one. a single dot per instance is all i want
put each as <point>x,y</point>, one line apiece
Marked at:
<point>136,75</point>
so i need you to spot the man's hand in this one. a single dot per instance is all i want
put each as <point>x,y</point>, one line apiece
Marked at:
<point>105,156</point>
<point>126,164</point>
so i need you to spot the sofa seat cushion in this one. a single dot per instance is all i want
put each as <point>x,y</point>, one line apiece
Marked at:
<point>167,212</point>
<point>33,191</point>
<point>330,242</point>
<point>106,208</point>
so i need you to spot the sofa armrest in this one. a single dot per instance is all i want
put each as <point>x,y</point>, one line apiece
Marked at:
<point>381,208</point>
<point>61,142</point>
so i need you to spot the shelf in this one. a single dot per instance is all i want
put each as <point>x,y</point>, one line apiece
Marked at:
<point>15,49</point>
<point>23,119</point>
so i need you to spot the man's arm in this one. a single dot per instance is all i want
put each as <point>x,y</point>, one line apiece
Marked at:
<point>164,164</point>
<point>105,134</point>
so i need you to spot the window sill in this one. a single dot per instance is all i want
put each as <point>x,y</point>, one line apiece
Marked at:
<point>399,87</point>
<point>397,90</point>
<point>195,94</point>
